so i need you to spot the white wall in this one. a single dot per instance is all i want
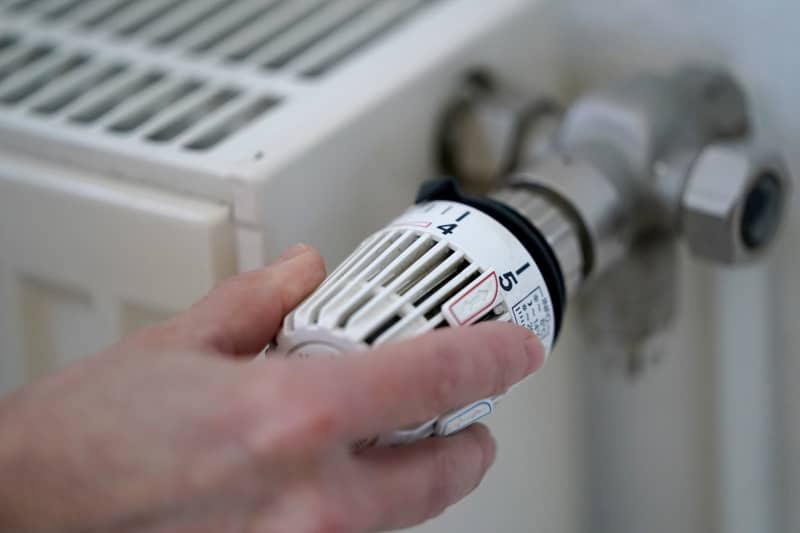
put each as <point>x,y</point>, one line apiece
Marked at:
<point>737,466</point>
<point>709,439</point>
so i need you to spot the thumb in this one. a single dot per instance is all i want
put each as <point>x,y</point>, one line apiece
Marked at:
<point>243,314</point>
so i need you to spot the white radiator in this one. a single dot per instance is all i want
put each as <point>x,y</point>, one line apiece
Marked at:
<point>149,148</point>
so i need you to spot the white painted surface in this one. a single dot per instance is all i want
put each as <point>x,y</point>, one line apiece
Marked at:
<point>108,258</point>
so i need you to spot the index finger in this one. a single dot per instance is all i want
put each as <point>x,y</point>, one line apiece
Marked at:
<point>410,382</point>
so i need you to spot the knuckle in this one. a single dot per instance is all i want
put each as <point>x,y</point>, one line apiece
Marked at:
<point>330,517</point>
<point>506,361</point>
<point>278,422</point>
<point>317,262</point>
<point>245,282</point>
<point>321,421</point>
<point>441,489</point>
<point>448,374</point>
<point>155,336</point>
<point>307,426</point>
<point>496,368</point>
<point>485,364</point>
<point>332,523</point>
<point>242,418</point>
<point>232,284</point>
<point>485,448</point>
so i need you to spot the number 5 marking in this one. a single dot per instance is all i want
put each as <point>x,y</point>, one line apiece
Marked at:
<point>508,280</point>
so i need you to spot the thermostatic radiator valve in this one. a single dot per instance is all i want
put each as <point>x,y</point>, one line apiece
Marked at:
<point>651,155</point>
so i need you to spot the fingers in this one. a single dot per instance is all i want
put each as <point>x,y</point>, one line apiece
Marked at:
<point>406,383</point>
<point>242,315</point>
<point>405,486</point>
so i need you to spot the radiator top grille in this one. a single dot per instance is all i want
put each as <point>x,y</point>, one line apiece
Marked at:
<point>178,75</point>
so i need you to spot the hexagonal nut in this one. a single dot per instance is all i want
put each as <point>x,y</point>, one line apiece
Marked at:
<point>733,202</point>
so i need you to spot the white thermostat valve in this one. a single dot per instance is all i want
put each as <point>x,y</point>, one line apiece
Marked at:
<point>443,263</point>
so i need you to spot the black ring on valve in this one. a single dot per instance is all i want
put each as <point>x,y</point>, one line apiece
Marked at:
<point>762,212</point>
<point>530,237</point>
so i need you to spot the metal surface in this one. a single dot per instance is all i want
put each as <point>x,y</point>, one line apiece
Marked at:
<point>632,166</point>
<point>623,156</point>
<point>627,310</point>
<point>642,133</point>
<point>591,198</point>
<point>732,203</point>
<point>559,226</point>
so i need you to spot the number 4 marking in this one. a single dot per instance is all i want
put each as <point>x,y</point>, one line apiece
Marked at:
<point>447,229</point>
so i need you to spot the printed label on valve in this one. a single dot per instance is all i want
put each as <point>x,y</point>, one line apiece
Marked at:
<point>509,273</point>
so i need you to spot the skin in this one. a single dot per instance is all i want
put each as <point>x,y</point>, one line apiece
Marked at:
<point>178,428</point>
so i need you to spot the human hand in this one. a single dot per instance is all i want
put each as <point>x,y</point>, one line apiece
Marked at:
<point>177,428</point>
